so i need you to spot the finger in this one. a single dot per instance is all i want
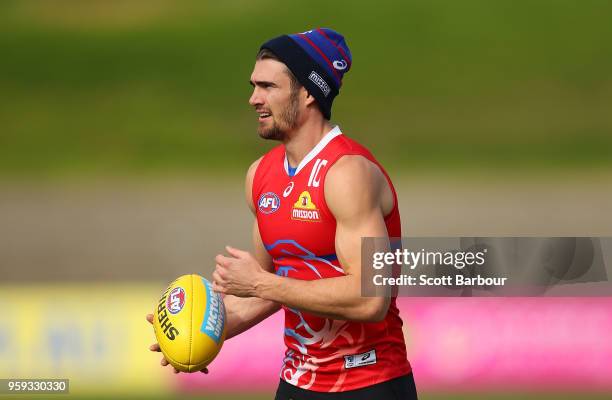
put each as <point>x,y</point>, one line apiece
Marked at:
<point>236,252</point>
<point>176,371</point>
<point>217,284</point>
<point>220,274</point>
<point>218,288</point>
<point>154,347</point>
<point>216,277</point>
<point>150,318</point>
<point>164,362</point>
<point>223,261</point>
<point>204,371</point>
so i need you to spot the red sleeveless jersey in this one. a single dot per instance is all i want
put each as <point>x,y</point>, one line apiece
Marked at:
<point>298,230</point>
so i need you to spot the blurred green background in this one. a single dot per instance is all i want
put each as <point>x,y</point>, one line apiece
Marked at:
<point>157,91</point>
<point>133,87</point>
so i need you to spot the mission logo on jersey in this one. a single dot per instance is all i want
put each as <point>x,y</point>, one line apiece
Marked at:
<point>304,209</point>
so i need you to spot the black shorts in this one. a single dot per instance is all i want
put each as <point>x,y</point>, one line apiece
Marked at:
<point>401,388</point>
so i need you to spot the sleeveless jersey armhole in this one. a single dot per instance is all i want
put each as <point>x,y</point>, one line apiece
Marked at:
<point>395,207</point>
<point>256,184</point>
<point>258,176</point>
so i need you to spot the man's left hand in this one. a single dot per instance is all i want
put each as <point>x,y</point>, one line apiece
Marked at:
<point>236,274</point>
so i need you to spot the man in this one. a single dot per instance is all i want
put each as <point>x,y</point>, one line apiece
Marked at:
<point>314,197</point>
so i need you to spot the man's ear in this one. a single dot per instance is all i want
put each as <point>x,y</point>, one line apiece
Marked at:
<point>308,99</point>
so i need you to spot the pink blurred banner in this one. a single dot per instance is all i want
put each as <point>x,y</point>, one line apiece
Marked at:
<point>457,344</point>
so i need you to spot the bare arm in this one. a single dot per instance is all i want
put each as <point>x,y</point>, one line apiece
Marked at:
<point>355,195</point>
<point>245,312</point>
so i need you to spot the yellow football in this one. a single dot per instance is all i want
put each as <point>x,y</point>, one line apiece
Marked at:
<point>189,323</point>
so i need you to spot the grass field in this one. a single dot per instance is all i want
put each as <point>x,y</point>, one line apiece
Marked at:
<point>100,87</point>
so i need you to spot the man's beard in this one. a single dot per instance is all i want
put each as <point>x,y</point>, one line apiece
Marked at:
<point>287,120</point>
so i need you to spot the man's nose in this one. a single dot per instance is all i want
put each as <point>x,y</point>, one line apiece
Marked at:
<point>255,97</point>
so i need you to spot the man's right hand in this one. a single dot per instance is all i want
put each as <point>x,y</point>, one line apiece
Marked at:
<point>155,347</point>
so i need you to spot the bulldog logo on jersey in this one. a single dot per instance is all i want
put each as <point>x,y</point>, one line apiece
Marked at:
<point>304,209</point>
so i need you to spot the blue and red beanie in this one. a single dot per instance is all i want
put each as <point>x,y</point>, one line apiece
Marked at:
<point>318,58</point>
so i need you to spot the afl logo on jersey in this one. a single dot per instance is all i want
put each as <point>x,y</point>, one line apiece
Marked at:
<point>268,203</point>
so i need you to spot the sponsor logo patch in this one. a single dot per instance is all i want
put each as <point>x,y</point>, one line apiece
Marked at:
<point>340,64</point>
<point>175,300</point>
<point>304,209</point>
<point>268,203</point>
<point>320,82</point>
<point>360,360</point>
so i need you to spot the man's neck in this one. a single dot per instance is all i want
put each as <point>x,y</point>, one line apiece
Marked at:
<point>304,139</point>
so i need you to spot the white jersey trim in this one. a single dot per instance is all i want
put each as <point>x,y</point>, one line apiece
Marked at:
<point>315,150</point>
